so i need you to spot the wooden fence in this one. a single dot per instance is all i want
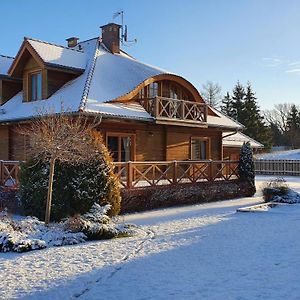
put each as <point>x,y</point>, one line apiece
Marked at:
<point>9,173</point>
<point>142,174</point>
<point>277,167</point>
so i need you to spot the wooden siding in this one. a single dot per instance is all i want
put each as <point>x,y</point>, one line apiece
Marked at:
<point>178,142</point>
<point>4,143</point>
<point>231,153</point>
<point>8,89</point>
<point>56,80</point>
<point>17,144</point>
<point>151,142</point>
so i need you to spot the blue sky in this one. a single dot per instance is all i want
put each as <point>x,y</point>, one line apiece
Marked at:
<point>222,40</point>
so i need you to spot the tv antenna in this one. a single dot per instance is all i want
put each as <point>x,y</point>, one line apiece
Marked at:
<point>124,35</point>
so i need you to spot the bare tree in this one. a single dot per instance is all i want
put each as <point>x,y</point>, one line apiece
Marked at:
<point>212,93</point>
<point>60,137</point>
<point>279,115</point>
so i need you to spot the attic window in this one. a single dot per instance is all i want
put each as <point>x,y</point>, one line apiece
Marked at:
<point>35,83</point>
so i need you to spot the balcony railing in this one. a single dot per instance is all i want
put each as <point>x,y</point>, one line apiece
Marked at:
<point>141,174</point>
<point>168,109</point>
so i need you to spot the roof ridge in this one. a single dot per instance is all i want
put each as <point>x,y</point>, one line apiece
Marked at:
<point>87,84</point>
<point>6,56</point>
<point>52,44</point>
<point>87,40</point>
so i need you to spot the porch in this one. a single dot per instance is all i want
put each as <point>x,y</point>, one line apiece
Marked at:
<point>142,174</point>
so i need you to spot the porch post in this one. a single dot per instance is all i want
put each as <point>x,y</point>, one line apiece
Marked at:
<point>175,171</point>
<point>129,174</point>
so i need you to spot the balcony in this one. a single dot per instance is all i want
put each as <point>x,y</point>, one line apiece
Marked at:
<point>176,112</point>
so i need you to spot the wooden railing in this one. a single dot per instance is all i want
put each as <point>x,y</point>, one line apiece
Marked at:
<point>9,173</point>
<point>142,174</point>
<point>168,109</point>
<point>277,167</point>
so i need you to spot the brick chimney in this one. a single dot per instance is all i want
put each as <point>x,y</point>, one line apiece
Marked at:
<point>111,37</point>
<point>72,41</point>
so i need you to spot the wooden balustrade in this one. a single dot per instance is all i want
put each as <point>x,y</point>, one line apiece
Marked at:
<point>168,109</point>
<point>142,174</point>
<point>9,173</point>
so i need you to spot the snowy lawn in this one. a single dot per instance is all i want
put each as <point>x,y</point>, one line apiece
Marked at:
<point>195,252</point>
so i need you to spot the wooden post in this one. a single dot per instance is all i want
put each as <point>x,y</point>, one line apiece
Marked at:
<point>182,110</point>
<point>210,170</point>
<point>175,171</point>
<point>1,171</point>
<point>129,175</point>
<point>49,194</point>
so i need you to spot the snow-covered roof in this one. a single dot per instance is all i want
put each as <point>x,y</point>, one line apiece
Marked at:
<point>237,139</point>
<point>59,55</point>
<point>222,121</point>
<point>5,63</point>
<point>106,77</point>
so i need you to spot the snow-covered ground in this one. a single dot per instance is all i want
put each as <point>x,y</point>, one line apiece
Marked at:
<point>288,155</point>
<point>203,251</point>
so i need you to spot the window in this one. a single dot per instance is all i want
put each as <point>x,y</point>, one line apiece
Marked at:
<point>35,83</point>
<point>120,147</point>
<point>173,92</point>
<point>199,148</point>
<point>153,89</point>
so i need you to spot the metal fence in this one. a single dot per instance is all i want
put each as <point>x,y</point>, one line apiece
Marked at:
<point>277,167</point>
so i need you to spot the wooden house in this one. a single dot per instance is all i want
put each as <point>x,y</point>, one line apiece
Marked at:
<point>148,114</point>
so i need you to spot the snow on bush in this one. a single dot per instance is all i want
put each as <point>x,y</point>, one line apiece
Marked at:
<point>31,234</point>
<point>277,190</point>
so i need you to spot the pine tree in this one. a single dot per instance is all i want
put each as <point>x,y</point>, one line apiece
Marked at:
<point>238,98</point>
<point>293,126</point>
<point>254,122</point>
<point>226,107</point>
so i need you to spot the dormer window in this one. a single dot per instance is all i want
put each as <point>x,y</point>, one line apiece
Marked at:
<point>35,84</point>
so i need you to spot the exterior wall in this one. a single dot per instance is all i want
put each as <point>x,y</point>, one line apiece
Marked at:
<point>178,142</point>
<point>231,153</point>
<point>162,142</point>
<point>150,142</point>
<point>4,143</point>
<point>55,80</point>
<point>17,145</point>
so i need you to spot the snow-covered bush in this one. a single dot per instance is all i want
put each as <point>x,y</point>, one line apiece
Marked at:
<point>31,234</point>
<point>277,190</point>
<point>276,187</point>
<point>75,187</point>
<point>95,224</point>
<point>246,166</point>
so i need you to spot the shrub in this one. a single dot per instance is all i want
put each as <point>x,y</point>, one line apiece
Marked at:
<point>276,187</point>
<point>75,187</point>
<point>246,166</point>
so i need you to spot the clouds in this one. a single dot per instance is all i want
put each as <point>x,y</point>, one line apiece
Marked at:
<point>286,65</point>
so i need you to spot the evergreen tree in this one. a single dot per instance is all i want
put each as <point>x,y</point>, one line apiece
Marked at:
<point>226,107</point>
<point>246,167</point>
<point>238,98</point>
<point>293,127</point>
<point>254,121</point>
